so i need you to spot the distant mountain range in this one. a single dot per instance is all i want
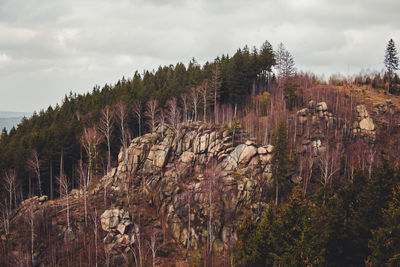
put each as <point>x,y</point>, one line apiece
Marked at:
<point>8,119</point>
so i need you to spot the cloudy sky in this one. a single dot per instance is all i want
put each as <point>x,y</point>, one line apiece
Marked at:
<point>51,47</point>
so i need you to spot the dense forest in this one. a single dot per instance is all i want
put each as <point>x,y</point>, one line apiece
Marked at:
<point>327,194</point>
<point>55,133</point>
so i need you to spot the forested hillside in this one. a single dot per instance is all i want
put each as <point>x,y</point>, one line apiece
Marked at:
<point>244,161</point>
<point>55,133</point>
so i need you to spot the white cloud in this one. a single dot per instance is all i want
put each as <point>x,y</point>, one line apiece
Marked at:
<point>48,48</point>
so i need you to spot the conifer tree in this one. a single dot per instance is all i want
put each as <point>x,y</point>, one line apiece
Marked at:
<point>391,60</point>
<point>281,160</point>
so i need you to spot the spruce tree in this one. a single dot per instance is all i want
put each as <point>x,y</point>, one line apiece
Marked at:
<point>281,160</point>
<point>391,60</point>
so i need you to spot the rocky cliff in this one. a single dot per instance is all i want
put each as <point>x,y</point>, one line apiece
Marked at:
<point>204,170</point>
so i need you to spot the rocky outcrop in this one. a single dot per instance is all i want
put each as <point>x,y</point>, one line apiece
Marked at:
<point>364,125</point>
<point>177,167</point>
<point>117,223</point>
<point>316,113</point>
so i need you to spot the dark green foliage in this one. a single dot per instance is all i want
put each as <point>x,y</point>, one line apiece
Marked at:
<point>282,163</point>
<point>59,129</point>
<point>356,225</point>
<point>391,63</point>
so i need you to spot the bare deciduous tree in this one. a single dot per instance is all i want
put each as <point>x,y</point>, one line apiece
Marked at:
<point>151,112</point>
<point>185,103</point>
<point>195,100</point>
<point>105,127</point>
<point>83,173</point>
<point>10,178</point>
<point>174,116</point>
<point>215,86</point>
<point>64,185</point>
<point>95,220</point>
<point>137,109</point>
<point>31,218</point>
<point>122,119</point>
<point>34,165</point>
<point>90,140</point>
<point>205,95</point>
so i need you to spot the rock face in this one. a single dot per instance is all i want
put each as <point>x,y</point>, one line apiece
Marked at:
<point>117,223</point>
<point>364,125</point>
<point>240,170</point>
<point>316,114</point>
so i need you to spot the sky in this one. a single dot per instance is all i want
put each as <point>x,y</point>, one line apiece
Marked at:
<point>51,47</point>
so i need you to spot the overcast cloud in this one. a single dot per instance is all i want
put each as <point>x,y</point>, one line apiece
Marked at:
<point>51,47</point>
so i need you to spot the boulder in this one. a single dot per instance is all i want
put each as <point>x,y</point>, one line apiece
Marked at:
<point>187,157</point>
<point>367,124</point>
<point>246,155</point>
<point>114,220</point>
<point>322,106</point>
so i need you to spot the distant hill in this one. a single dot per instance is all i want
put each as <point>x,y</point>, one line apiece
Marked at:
<point>8,119</point>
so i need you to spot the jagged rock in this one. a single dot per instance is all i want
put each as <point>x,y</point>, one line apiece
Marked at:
<point>187,157</point>
<point>43,198</point>
<point>364,125</point>
<point>322,106</point>
<point>367,124</point>
<point>247,153</point>
<point>110,219</point>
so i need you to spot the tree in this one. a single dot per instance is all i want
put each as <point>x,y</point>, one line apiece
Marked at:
<point>34,165</point>
<point>122,119</point>
<point>151,113</point>
<point>281,160</point>
<point>185,103</point>
<point>64,186</point>
<point>286,75</point>
<point>391,60</point>
<point>10,184</point>
<point>205,94</point>
<point>90,141</point>
<point>105,127</point>
<point>137,109</point>
<point>174,117</point>
<point>215,87</point>
<point>195,99</point>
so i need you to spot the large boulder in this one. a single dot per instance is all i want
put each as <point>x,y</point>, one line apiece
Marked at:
<point>114,219</point>
<point>246,155</point>
<point>367,124</point>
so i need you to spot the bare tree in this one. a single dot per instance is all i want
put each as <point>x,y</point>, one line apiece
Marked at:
<point>10,181</point>
<point>95,234</point>
<point>151,112</point>
<point>205,94</point>
<point>31,218</point>
<point>138,240</point>
<point>215,86</point>
<point>154,245</point>
<point>195,99</point>
<point>185,103</point>
<point>329,165</point>
<point>64,185</point>
<point>83,173</point>
<point>90,140</point>
<point>137,109</point>
<point>161,121</point>
<point>122,119</point>
<point>212,174</point>
<point>5,214</point>
<point>174,116</point>
<point>106,129</point>
<point>34,165</point>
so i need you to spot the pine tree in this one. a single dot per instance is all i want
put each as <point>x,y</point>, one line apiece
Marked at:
<point>286,74</point>
<point>391,60</point>
<point>281,160</point>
